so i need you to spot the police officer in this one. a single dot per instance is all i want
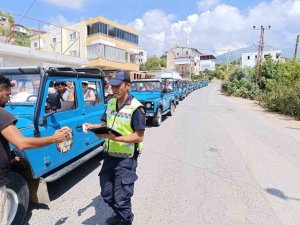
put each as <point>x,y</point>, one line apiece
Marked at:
<point>126,115</point>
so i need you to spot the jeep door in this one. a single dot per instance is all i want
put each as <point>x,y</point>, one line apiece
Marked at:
<point>91,100</point>
<point>61,108</point>
<point>168,93</point>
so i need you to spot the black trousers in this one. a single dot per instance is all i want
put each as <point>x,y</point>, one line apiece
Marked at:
<point>117,178</point>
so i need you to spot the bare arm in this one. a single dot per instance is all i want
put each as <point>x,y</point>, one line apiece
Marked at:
<point>92,97</point>
<point>14,136</point>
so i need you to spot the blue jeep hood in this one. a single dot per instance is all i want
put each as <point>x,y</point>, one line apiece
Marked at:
<point>146,96</point>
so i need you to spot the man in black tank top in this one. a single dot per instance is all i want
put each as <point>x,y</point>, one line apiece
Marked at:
<point>9,133</point>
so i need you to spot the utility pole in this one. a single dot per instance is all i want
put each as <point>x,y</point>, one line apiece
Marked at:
<point>260,52</point>
<point>296,48</point>
<point>227,55</point>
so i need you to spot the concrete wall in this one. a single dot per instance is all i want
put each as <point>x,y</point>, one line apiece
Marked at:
<point>11,55</point>
<point>13,61</point>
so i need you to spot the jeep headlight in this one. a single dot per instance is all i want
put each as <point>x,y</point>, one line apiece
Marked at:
<point>148,105</point>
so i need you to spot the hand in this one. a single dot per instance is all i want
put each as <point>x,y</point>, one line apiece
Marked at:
<point>60,135</point>
<point>110,136</point>
<point>14,156</point>
<point>88,126</point>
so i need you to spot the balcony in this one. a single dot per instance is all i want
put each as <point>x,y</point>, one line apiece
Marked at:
<point>182,61</point>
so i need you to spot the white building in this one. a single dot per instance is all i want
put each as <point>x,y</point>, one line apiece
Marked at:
<point>189,61</point>
<point>207,62</point>
<point>249,58</point>
<point>37,42</point>
<point>142,56</point>
<point>20,29</point>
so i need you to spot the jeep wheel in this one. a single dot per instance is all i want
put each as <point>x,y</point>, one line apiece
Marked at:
<point>17,199</point>
<point>172,109</point>
<point>156,121</point>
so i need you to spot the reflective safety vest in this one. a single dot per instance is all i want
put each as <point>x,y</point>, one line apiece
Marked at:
<point>121,122</point>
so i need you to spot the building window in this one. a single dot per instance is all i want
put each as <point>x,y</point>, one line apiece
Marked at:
<point>93,88</point>
<point>255,56</point>
<point>54,40</point>
<point>133,58</point>
<point>187,52</point>
<point>35,44</point>
<point>177,54</point>
<point>72,36</point>
<point>112,32</point>
<point>73,53</point>
<point>68,100</point>
<point>95,51</point>
<point>248,57</point>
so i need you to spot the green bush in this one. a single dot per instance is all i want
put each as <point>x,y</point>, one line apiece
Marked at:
<point>240,84</point>
<point>282,98</point>
<point>279,89</point>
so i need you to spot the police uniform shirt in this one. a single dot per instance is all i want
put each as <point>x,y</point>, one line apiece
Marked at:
<point>138,120</point>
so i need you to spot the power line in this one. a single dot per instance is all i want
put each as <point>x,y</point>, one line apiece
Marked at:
<point>25,14</point>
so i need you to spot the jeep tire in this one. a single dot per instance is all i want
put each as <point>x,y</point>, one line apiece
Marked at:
<point>156,121</point>
<point>17,199</point>
<point>172,109</point>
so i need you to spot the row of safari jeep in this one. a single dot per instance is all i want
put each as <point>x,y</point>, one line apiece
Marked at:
<point>46,99</point>
<point>161,96</point>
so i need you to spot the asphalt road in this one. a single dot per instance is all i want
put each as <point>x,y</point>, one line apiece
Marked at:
<point>218,160</point>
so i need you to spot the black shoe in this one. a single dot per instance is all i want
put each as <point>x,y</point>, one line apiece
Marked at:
<point>114,220</point>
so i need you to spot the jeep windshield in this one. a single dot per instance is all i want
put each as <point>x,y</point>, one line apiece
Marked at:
<point>145,86</point>
<point>25,88</point>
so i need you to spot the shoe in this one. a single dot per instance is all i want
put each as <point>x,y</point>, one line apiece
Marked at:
<point>126,223</point>
<point>114,220</point>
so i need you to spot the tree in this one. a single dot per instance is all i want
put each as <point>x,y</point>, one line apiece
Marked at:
<point>143,67</point>
<point>22,40</point>
<point>153,63</point>
<point>7,31</point>
<point>163,60</point>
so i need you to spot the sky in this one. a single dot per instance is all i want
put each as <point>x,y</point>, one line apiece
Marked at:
<point>211,26</point>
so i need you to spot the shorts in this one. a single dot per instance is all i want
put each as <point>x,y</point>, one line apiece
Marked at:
<point>3,207</point>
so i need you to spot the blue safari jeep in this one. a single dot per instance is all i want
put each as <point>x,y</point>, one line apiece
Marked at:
<point>40,111</point>
<point>156,96</point>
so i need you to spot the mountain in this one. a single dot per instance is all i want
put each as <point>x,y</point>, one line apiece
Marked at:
<point>236,55</point>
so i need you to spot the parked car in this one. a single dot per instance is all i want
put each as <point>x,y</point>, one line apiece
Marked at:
<point>40,111</point>
<point>158,99</point>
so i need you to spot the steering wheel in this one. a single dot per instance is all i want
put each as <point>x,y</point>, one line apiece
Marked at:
<point>30,96</point>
